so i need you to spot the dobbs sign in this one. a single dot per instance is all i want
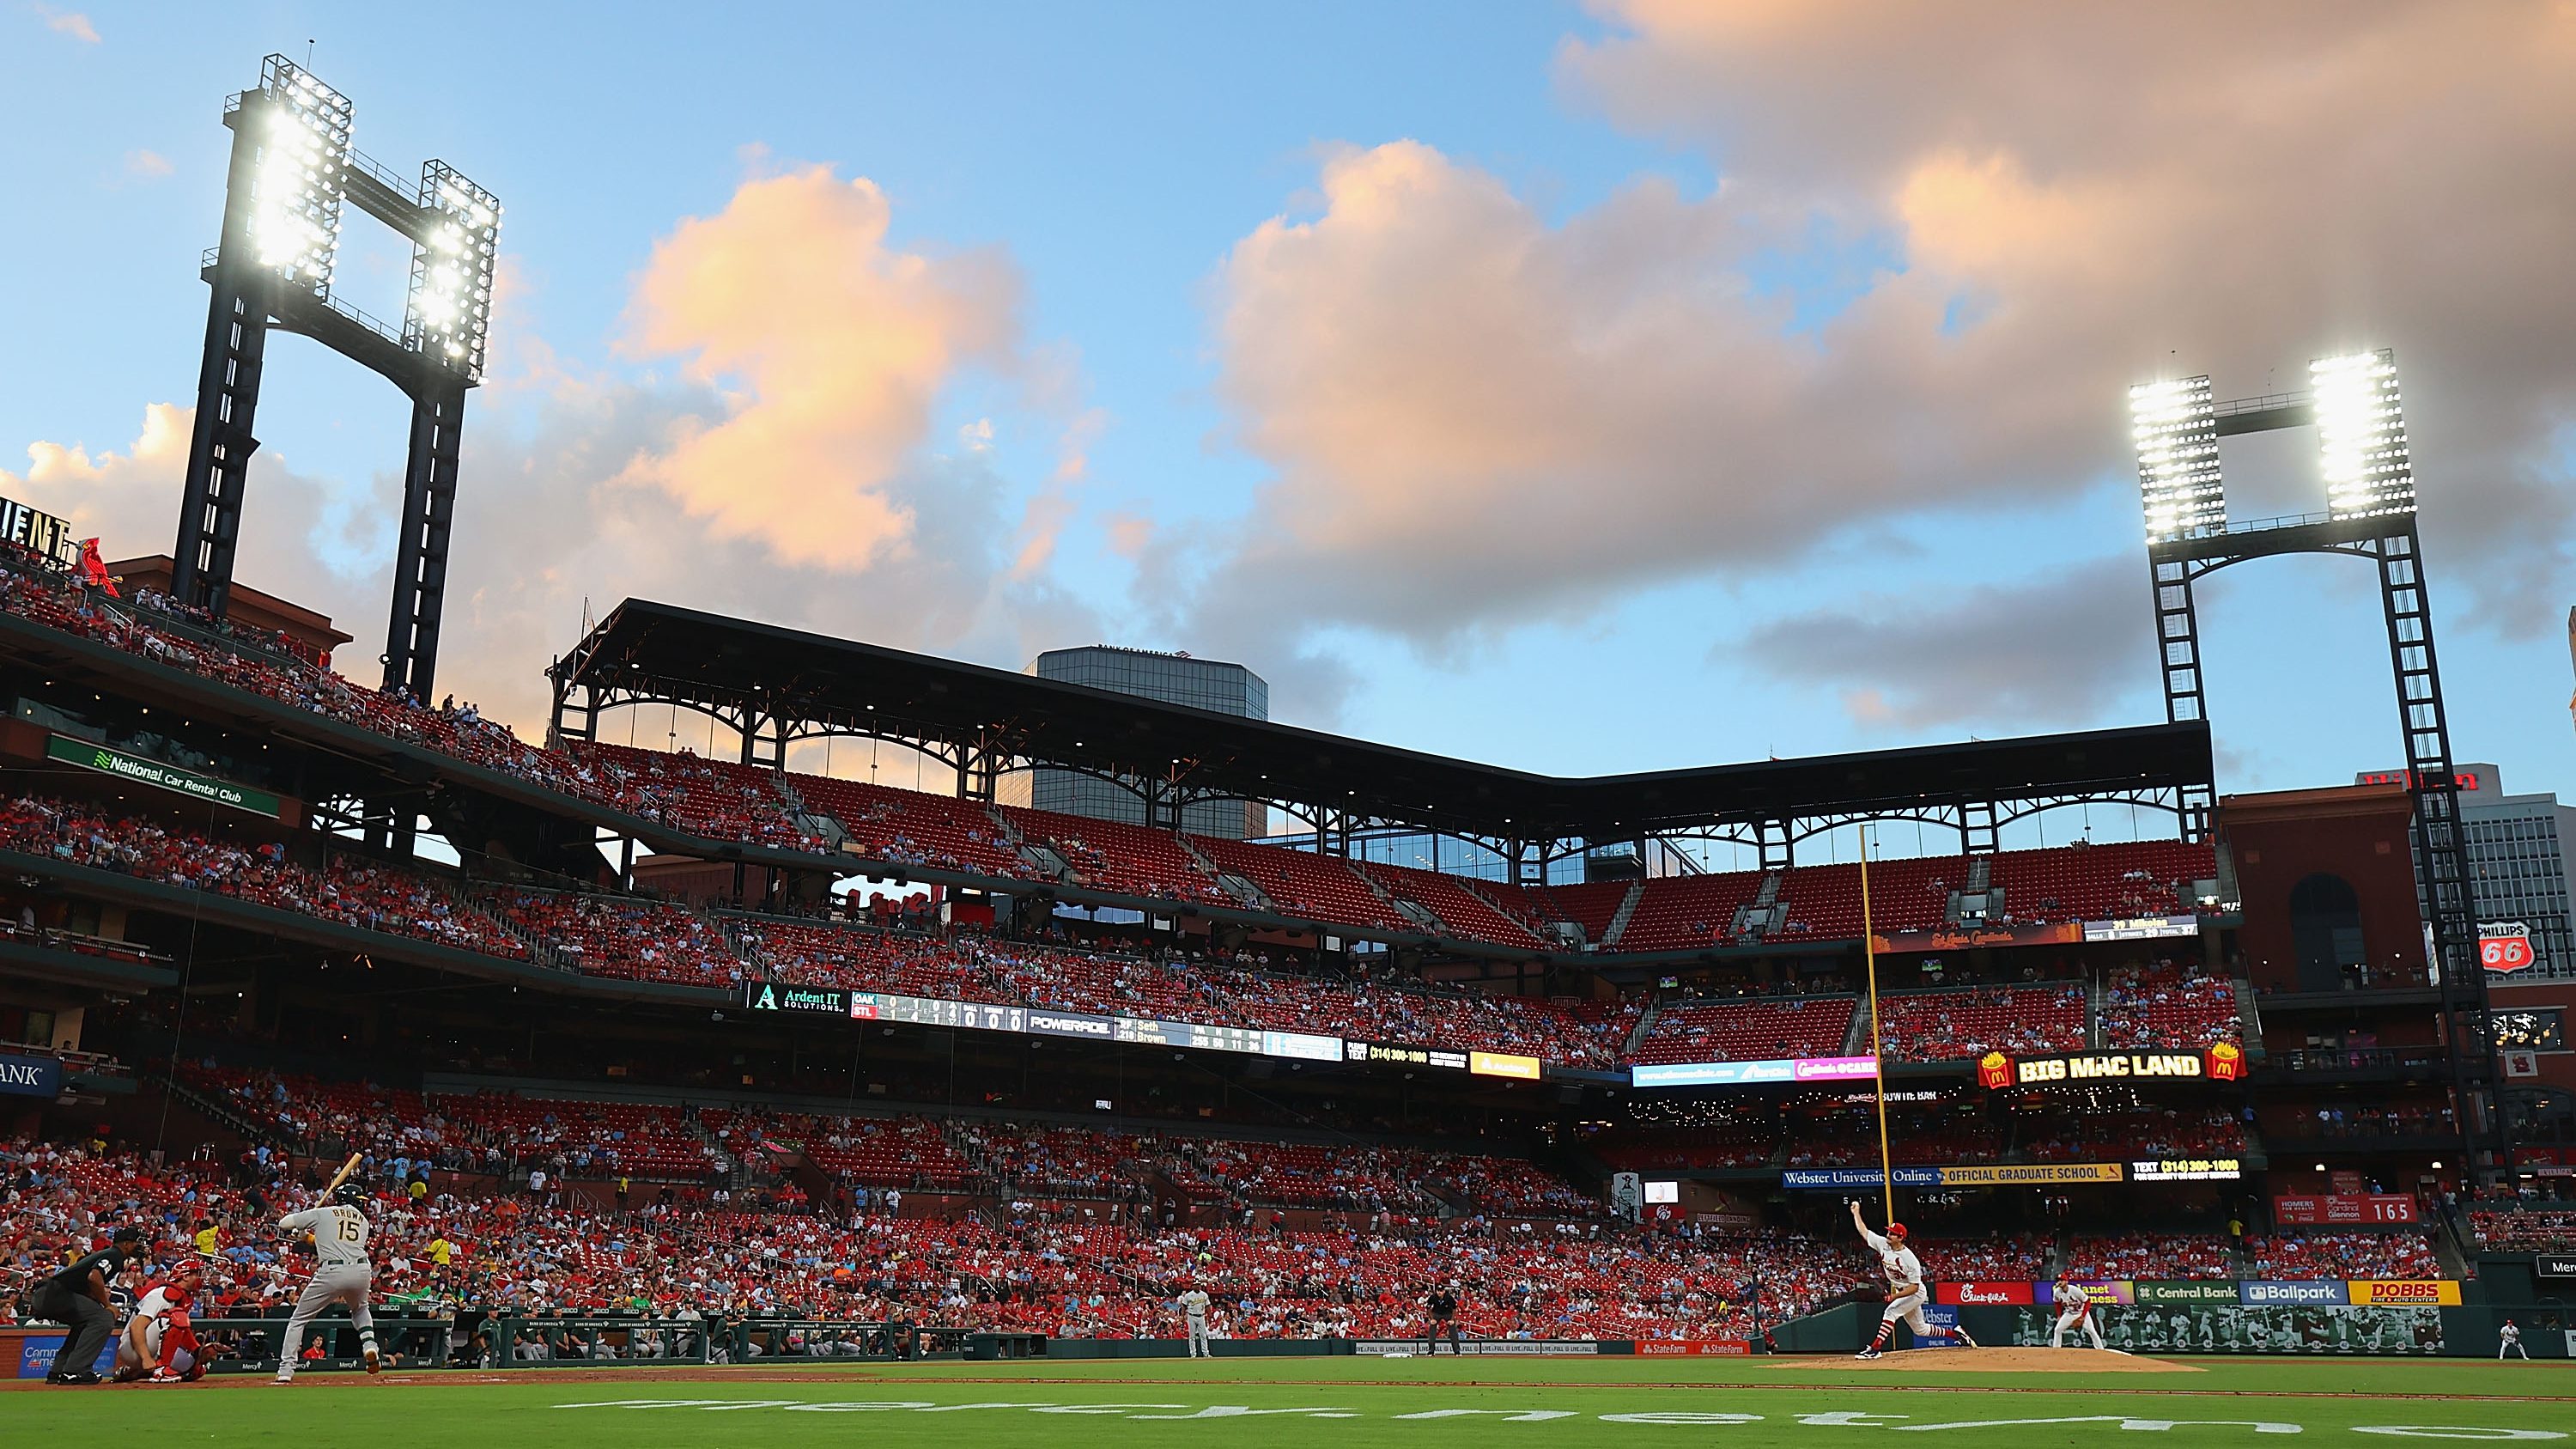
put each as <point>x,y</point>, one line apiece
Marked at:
<point>2224,1062</point>
<point>2418,1291</point>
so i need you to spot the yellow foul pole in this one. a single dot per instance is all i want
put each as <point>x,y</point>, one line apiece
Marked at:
<point>1877,1052</point>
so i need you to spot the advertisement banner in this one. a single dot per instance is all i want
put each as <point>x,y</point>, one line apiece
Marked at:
<point>154,773</point>
<point>777,996</point>
<point>1982,1293</point>
<point>2306,1293</point>
<point>1503,1064</point>
<point>35,529</point>
<point>2010,1174</point>
<point>2103,1291</point>
<point>1996,1071</point>
<point>1958,938</point>
<point>1838,1178</point>
<point>30,1076</point>
<point>36,1356</point>
<point>2377,1207</point>
<point>1487,1347</point>
<point>2439,1292</point>
<point>2187,1169</point>
<point>1729,1074</point>
<point>1046,1021</point>
<point>1404,1056</point>
<point>2504,946</point>
<point>2554,1265</point>
<point>1693,1348</point>
<point>2148,928</point>
<point>2235,1329</point>
<point>2175,1291</point>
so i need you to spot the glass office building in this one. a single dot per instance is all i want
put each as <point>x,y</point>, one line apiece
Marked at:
<point>1207,684</point>
<point>2518,863</point>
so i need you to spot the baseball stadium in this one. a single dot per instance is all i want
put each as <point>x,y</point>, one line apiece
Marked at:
<point>795,1037</point>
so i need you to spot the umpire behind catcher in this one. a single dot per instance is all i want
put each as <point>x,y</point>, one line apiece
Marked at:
<point>77,1297</point>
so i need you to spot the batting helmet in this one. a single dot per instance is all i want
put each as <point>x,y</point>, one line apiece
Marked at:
<point>350,1193</point>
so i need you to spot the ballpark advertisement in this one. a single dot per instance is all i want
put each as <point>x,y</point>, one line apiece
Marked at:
<point>2239,1328</point>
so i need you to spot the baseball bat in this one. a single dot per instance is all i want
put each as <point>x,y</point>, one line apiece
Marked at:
<point>341,1176</point>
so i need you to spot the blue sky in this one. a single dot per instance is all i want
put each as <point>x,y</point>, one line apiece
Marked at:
<point>1819,369</point>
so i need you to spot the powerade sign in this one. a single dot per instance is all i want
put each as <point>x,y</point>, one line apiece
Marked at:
<point>770,996</point>
<point>30,1076</point>
<point>1736,1074</point>
<point>1074,1024</point>
<point>1815,1179</point>
<point>2321,1293</point>
<point>153,772</point>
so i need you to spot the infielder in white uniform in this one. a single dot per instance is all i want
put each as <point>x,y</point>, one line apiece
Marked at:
<point>1906,1290</point>
<point>340,1274</point>
<point>2074,1306</point>
<point>2509,1340</point>
<point>1194,1307</point>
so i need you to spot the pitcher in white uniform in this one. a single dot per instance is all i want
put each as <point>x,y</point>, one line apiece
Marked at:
<point>1906,1290</point>
<point>340,1274</point>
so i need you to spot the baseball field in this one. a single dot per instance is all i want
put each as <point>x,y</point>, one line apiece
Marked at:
<point>1995,1398</point>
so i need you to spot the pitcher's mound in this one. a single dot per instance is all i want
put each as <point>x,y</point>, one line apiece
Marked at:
<point>2013,1361</point>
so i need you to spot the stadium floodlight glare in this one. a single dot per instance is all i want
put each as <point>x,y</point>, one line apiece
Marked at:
<point>450,313</point>
<point>2175,425</point>
<point>297,180</point>
<point>2361,435</point>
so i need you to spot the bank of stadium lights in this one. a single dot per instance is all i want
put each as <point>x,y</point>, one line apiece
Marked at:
<point>2361,435</point>
<point>297,181</point>
<point>450,313</point>
<point>2175,426</point>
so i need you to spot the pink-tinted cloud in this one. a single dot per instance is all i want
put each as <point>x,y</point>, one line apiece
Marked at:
<point>832,348</point>
<point>780,478</point>
<point>70,23</point>
<point>1476,414</point>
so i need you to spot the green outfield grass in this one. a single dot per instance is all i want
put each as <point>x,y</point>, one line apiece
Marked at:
<point>1341,1403</point>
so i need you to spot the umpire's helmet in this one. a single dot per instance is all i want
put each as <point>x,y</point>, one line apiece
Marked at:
<point>350,1193</point>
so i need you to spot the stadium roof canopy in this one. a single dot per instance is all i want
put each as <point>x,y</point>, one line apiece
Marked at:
<point>808,684</point>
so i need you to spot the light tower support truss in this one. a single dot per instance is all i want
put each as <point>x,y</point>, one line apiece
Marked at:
<point>2386,536</point>
<point>292,172</point>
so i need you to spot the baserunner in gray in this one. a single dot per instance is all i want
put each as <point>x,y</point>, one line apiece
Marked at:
<point>340,1273</point>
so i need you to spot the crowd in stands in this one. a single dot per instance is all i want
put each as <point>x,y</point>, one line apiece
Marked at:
<point>1748,1031</point>
<point>2371,1122</point>
<point>2151,1255</point>
<point>1921,1026</point>
<point>730,801</point>
<point>2077,1136</point>
<point>346,891</point>
<point>2163,1004</point>
<point>630,939</point>
<point>2344,1255</point>
<point>2523,1229</point>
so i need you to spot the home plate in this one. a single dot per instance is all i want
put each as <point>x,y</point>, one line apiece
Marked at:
<point>2011,1361</point>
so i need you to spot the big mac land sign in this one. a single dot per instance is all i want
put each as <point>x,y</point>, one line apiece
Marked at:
<point>2224,1062</point>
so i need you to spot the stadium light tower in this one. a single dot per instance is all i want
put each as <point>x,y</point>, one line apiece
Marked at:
<point>2369,479</point>
<point>293,173</point>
